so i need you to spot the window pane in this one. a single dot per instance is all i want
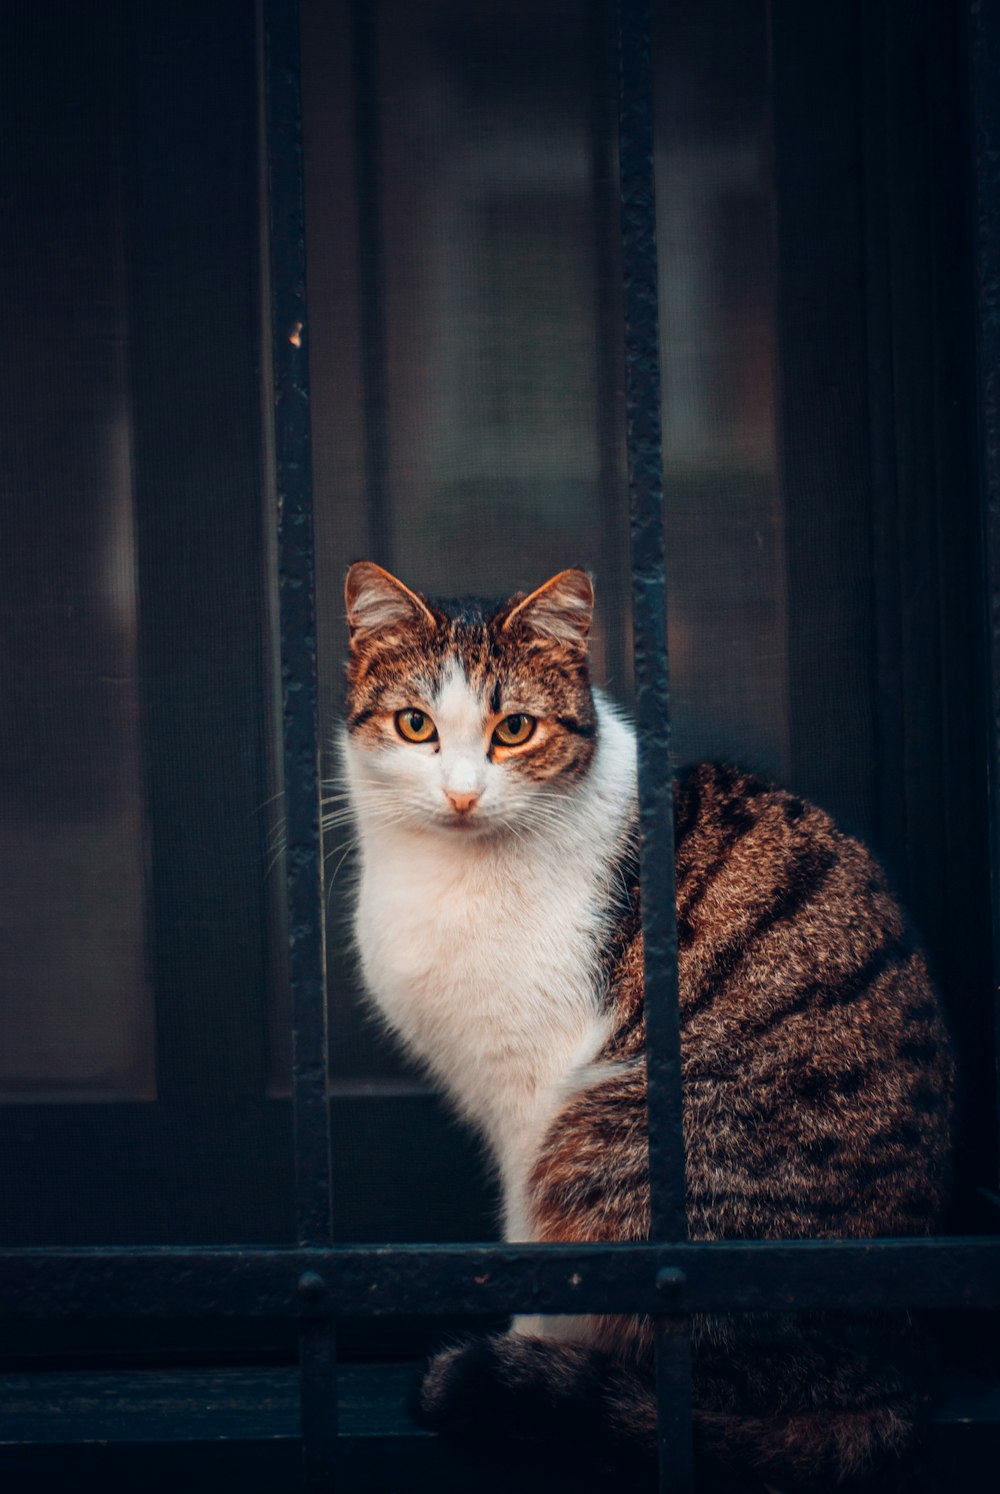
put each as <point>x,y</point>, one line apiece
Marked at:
<point>724,513</point>
<point>75,1009</point>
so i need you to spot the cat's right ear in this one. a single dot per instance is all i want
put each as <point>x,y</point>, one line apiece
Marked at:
<point>562,609</point>
<point>376,601</point>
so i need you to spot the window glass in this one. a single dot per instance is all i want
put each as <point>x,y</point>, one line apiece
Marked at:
<point>724,514</point>
<point>75,1005</point>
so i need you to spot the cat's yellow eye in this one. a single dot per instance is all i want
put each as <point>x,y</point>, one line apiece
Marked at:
<point>514,731</point>
<point>415,726</point>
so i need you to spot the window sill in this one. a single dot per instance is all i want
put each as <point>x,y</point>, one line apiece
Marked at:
<point>193,1427</point>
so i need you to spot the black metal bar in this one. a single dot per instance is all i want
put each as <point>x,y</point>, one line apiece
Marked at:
<point>303,856</point>
<point>656,811</point>
<point>371,273</point>
<point>675,1446</point>
<point>382,1280</point>
<point>318,1400</point>
<point>298,643</point>
<point>984,44</point>
<point>668,1212</point>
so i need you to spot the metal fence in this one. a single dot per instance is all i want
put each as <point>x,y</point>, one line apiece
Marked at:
<point>668,1278</point>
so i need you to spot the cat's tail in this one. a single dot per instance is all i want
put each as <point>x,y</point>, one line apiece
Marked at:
<point>514,1390</point>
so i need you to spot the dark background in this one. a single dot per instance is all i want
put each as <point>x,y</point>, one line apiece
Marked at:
<point>826,617</point>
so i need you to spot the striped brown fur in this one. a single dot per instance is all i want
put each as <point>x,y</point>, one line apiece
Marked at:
<point>817,1084</point>
<point>817,1081</point>
<point>817,1069</point>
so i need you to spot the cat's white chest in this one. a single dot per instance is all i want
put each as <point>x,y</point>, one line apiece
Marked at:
<point>483,955</point>
<point>486,966</point>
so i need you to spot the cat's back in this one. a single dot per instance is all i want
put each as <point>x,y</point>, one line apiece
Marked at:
<point>817,1066</point>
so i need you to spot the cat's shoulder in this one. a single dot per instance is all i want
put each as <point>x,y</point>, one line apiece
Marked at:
<point>728,793</point>
<point>724,793</point>
<point>726,812</point>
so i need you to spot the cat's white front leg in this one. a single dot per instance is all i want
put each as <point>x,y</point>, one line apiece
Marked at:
<point>559,1327</point>
<point>516,1225</point>
<point>563,1327</point>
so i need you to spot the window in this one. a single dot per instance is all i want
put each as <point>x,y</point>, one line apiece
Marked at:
<point>464,341</point>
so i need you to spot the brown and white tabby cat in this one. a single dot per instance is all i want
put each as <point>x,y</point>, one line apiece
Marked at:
<point>494,794</point>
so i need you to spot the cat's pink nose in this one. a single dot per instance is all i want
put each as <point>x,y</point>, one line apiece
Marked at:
<point>461,802</point>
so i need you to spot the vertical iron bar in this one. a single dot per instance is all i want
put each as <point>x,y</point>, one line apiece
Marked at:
<point>656,811</point>
<point>668,1215</point>
<point>675,1450</point>
<point>304,862</point>
<point>984,57</point>
<point>371,273</point>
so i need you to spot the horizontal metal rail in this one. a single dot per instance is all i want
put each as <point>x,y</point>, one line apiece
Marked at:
<point>383,1280</point>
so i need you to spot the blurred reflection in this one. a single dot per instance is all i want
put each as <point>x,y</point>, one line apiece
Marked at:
<point>724,516</point>
<point>75,1013</point>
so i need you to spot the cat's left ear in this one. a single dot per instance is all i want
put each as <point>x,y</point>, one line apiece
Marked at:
<point>377,601</point>
<point>562,609</point>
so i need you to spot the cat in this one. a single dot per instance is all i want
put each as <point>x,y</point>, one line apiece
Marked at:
<point>498,925</point>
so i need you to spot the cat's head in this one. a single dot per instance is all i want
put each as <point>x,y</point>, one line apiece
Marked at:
<point>468,717</point>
